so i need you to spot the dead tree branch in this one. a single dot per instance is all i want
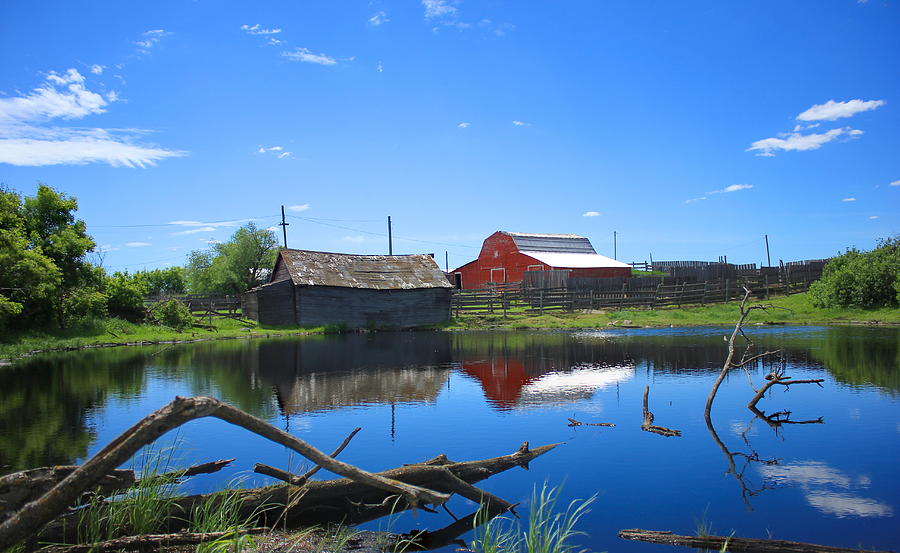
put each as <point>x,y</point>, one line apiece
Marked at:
<point>648,426</point>
<point>573,422</point>
<point>293,479</point>
<point>35,514</point>
<point>151,542</point>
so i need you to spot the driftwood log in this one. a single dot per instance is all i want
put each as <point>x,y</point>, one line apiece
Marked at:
<point>733,544</point>
<point>152,542</point>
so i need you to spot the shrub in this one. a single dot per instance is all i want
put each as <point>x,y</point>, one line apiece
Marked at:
<point>173,313</point>
<point>125,295</point>
<point>861,279</point>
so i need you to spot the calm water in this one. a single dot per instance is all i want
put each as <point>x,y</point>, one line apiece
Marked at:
<point>476,395</point>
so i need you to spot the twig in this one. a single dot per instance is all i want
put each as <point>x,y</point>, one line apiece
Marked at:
<point>573,422</point>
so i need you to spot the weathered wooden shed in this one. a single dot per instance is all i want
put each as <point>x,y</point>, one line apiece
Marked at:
<point>320,288</point>
<point>506,256</point>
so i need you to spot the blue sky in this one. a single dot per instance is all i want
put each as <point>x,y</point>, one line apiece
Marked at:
<point>691,129</point>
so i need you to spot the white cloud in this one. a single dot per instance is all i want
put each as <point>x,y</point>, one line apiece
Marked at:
<point>464,125</point>
<point>591,214</point>
<point>438,8</point>
<point>379,67</point>
<point>274,41</point>
<point>258,30</point>
<point>194,231</point>
<point>378,18</point>
<point>800,142</point>
<point>151,39</point>
<point>64,96</point>
<point>138,244</point>
<point>519,123</point>
<point>354,239</point>
<point>305,55</point>
<point>732,188</point>
<point>107,248</point>
<point>278,151</point>
<point>29,139</point>
<point>831,110</point>
<point>97,69</point>
<point>895,183</point>
<point>848,199</point>
<point>873,217</point>
<point>301,207</point>
<point>695,200</point>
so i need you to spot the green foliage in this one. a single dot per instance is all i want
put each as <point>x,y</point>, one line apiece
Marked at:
<point>125,296</point>
<point>548,530</point>
<point>235,266</point>
<point>859,279</point>
<point>163,282</point>
<point>43,272</point>
<point>174,314</point>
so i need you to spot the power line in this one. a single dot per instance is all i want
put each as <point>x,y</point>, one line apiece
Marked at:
<point>319,222</point>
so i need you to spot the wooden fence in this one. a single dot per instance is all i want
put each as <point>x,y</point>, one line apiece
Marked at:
<point>623,293</point>
<point>203,306</point>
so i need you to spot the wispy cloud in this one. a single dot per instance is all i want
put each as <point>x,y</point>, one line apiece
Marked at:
<point>801,142</point>
<point>259,30</point>
<point>193,231</point>
<point>354,239</point>
<point>727,190</point>
<point>895,183</point>
<point>277,151</point>
<point>29,137</point>
<point>307,56</point>
<point>831,110</point>
<point>518,123</point>
<point>301,207</point>
<point>873,217</point>
<point>378,18</point>
<point>848,199</point>
<point>97,69</point>
<point>732,188</point>
<point>591,214</point>
<point>150,40</point>
<point>464,125</point>
<point>379,67</point>
<point>195,227</point>
<point>438,8</point>
<point>138,244</point>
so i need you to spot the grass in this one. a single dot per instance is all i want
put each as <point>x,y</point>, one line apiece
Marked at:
<point>547,530</point>
<point>120,332</point>
<point>794,309</point>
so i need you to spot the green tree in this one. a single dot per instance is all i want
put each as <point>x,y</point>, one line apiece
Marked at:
<point>125,296</point>
<point>163,282</point>
<point>861,279</point>
<point>43,271</point>
<point>235,266</point>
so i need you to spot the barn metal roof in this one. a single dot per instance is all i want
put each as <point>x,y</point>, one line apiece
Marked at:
<point>575,260</point>
<point>562,243</point>
<point>376,272</point>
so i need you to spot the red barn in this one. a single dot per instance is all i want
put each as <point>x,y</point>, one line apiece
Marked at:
<point>505,256</point>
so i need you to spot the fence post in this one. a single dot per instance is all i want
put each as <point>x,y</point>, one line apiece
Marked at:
<point>705,288</point>
<point>727,290</point>
<point>766,277</point>
<point>541,301</point>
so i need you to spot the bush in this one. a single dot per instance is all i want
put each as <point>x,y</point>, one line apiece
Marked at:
<point>865,280</point>
<point>173,313</point>
<point>125,295</point>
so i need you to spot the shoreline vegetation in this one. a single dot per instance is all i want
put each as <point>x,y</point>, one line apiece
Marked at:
<point>797,309</point>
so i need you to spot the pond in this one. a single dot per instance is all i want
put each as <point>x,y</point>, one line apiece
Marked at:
<point>475,395</point>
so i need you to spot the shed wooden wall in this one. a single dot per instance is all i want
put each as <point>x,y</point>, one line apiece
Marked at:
<point>358,308</point>
<point>275,304</point>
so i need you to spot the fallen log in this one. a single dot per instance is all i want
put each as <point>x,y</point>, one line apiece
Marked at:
<point>573,422</point>
<point>322,502</point>
<point>735,545</point>
<point>151,542</point>
<point>34,515</point>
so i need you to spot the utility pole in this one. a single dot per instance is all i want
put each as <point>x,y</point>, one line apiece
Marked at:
<point>390,238</point>
<point>768,259</point>
<point>446,262</point>
<point>614,245</point>
<point>283,224</point>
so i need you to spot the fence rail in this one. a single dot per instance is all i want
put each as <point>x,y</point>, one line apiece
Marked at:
<point>622,293</point>
<point>203,306</point>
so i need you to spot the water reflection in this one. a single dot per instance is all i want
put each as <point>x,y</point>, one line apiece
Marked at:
<point>828,489</point>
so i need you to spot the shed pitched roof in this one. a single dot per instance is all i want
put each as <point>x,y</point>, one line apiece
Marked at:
<point>561,243</point>
<point>377,272</point>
